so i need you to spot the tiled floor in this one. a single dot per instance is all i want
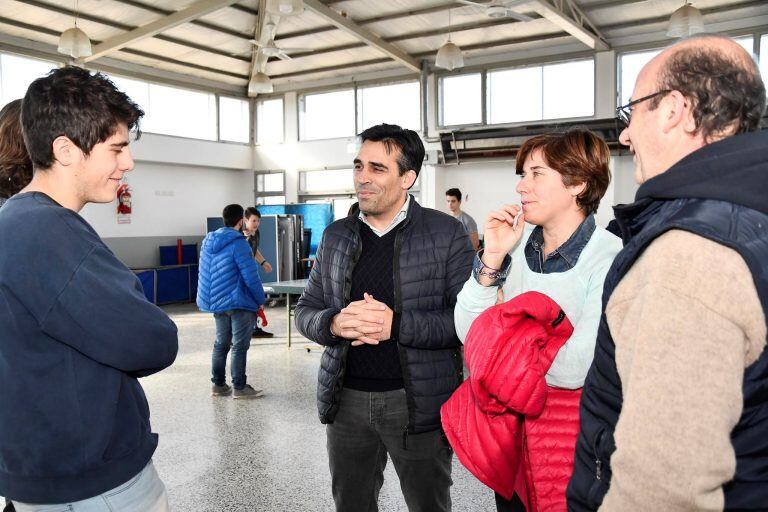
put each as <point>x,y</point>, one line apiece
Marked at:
<point>218,454</point>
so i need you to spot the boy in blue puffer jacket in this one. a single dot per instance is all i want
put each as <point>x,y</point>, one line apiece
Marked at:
<point>229,287</point>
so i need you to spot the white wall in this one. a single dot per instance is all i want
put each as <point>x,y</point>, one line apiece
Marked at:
<point>172,200</point>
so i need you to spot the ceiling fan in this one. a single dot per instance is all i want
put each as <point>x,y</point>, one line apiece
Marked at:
<point>270,49</point>
<point>498,9</point>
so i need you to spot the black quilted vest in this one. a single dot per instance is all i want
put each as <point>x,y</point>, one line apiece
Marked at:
<point>720,193</point>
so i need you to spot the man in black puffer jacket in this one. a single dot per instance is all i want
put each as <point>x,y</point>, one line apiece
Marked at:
<point>380,298</point>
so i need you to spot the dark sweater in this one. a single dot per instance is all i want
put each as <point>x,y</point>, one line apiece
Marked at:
<point>77,333</point>
<point>374,367</point>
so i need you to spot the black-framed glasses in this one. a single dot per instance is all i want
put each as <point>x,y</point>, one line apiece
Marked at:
<point>624,112</point>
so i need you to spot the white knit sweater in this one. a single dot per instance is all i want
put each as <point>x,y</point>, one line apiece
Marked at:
<point>578,291</point>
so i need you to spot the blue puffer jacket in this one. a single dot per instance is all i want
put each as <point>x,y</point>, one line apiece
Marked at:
<point>229,277</point>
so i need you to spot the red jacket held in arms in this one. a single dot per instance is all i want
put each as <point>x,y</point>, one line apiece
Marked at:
<point>504,418</point>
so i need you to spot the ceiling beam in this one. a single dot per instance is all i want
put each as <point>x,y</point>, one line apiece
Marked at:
<point>199,8</point>
<point>511,41</point>
<point>568,16</point>
<point>122,26</point>
<point>366,21</point>
<point>200,23</point>
<point>148,55</point>
<point>369,38</point>
<point>478,46</point>
<point>454,29</point>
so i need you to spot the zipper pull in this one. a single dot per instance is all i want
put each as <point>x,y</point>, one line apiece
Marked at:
<point>405,438</point>
<point>598,468</point>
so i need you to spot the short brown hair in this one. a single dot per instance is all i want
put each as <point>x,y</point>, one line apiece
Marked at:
<point>15,165</point>
<point>579,156</point>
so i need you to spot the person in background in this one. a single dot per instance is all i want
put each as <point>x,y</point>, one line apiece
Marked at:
<point>552,245</point>
<point>674,413</point>
<point>15,165</point>
<point>78,333</point>
<point>251,232</point>
<point>453,200</point>
<point>229,286</point>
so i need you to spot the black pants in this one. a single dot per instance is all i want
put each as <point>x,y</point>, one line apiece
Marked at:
<point>513,505</point>
<point>367,428</point>
<point>9,506</point>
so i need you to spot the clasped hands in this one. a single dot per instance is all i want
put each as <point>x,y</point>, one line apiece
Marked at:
<point>366,321</point>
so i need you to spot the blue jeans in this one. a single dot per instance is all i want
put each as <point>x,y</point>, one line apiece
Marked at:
<point>145,492</point>
<point>233,329</point>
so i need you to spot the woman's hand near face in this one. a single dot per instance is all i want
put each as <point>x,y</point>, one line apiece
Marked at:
<point>501,234</point>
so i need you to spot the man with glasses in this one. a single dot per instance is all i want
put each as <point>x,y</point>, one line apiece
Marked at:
<point>674,412</point>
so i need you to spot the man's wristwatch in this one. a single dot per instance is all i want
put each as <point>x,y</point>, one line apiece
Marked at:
<point>262,262</point>
<point>499,276</point>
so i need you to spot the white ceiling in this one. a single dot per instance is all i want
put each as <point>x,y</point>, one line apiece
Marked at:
<point>216,48</point>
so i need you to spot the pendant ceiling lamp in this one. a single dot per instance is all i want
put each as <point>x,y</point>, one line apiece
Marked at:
<point>285,7</point>
<point>449,55</point>
<point>260,84</point>
<point>74,42</point>
<point>685,21</point>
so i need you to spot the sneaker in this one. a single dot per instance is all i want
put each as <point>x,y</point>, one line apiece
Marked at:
<point>261,333</point>
<point>224,390</point>
<point>247,392</point>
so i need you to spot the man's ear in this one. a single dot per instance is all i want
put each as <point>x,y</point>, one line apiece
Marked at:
<point>408,179</point>
<point>65,151</point>
<point>676,111</point>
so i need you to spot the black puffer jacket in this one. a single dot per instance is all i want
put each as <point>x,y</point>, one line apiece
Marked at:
<point>433,259</point>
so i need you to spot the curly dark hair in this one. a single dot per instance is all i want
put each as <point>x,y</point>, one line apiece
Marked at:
<point>726,92</point>
<point>71,101</point>
<point>579,156</point>
<point>15,165</point>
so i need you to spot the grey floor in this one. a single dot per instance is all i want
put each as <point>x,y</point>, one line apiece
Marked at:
<point>218,454</point>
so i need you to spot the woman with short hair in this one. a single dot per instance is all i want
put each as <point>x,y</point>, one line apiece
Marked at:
<point>549,244</point>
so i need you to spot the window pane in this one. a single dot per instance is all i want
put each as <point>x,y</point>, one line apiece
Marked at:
<point>234,117</point>
<point>327,115</point>
<point>341,207</point>
<point>461,100</point>
<point>181,112</point>
<point>270,200</point>
<point>273,182</point>
<point>514,95</point>
<point>747,42</point>
<point>328,181</point>
<point>16,73</point>
<point>269,121</point>
<point>137,90</point>
<point>394,104</point>
<point>569,89</point>
<point>630,65</point>
<point>764,57</point>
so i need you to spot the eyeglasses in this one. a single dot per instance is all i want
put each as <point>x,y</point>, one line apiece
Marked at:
<point>624,112</point>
